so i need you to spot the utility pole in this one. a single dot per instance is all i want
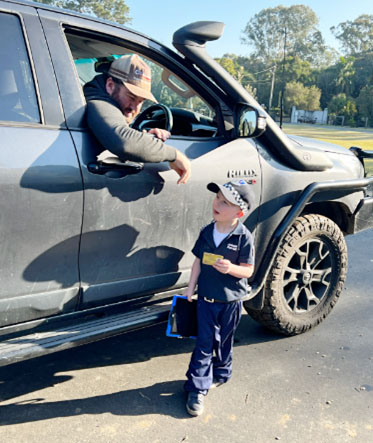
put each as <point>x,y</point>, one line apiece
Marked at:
<point>272,88</point>
<point>283,81</point>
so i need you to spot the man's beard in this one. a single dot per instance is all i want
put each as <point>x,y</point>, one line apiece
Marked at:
<point>128,113</point>
<point>129,118</point>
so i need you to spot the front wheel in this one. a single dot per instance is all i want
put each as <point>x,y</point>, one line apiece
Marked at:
<point>306,278</point>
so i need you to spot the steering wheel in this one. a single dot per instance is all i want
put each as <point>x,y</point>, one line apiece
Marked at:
<point>148,119</point>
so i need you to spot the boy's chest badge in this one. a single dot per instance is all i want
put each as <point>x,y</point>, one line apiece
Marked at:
<point>232,247</point>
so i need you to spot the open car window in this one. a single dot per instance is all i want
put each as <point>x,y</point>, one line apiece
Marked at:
<point>192,115</point>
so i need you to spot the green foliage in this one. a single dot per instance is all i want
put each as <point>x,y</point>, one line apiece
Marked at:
<point>303,97</point>
<point>251,90</point>
<point>342,105</point>
<point>337,104</point>
<point>365,103</point>
<point>350,112</point>
<point>256,76</point>
<point>114,10</point>
<point>298,70</point>
<point>236,67</point>
<point>363,66</point>
<point>326,82</point>
<point>346,75</point>
<point>355,36</point>
<point>349,76</point>
<point>292,30</point>
<point>288,38</point>
<point>228,64</point>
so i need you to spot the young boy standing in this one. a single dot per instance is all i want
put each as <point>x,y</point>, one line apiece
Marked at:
<point>224,261</point>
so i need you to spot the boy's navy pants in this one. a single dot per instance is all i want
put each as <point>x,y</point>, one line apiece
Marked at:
<point>212,355</point>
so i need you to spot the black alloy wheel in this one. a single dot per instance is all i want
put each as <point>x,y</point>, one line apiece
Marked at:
<point>306,278</point>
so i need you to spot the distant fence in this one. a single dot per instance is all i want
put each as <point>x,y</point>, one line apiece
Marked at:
<point>302,116</point>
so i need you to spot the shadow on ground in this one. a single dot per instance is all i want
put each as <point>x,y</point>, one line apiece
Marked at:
<point>164,398</point>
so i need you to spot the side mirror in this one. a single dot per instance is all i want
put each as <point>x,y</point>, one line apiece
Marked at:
<point>250,121</point>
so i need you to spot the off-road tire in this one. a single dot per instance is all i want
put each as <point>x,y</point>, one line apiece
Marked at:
<point>306,278</point>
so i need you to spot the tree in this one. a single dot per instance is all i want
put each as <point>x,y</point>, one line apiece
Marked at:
<point>365,103</point>
<point>114,10</point>
<point>341,105</point>
<point>298,70</point>
<point>257,77</point>
<point>363,66</point>
<point>355,36</point>
<point>337,104</point>
<point>293,30</point>
<point>326,82</point>
<point>346,75</point>
<point>233,64</point>
<point>228,64</point>
<point>303,97</point>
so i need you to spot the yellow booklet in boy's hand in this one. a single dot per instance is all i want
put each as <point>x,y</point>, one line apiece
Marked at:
<point>210,259</point>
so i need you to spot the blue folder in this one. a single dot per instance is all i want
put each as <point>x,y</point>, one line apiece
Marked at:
<point>182,319</point>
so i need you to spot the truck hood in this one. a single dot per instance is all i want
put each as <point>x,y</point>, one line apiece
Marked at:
<point>306,142</point>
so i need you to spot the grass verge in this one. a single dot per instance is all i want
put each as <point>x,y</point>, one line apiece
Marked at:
<point>347,137</point>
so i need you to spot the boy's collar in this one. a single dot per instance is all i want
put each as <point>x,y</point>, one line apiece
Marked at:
<point>238,230</point>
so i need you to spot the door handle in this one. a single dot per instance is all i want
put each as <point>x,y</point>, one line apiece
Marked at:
<point>113,167</point>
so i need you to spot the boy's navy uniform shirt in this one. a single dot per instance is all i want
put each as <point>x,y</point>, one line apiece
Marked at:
<point>238,247</point>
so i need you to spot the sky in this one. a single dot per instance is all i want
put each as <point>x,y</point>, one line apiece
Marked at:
<point>160,18</point>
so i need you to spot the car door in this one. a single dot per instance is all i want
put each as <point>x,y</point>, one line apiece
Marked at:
<point>40,182</point>
<point>138,230</point>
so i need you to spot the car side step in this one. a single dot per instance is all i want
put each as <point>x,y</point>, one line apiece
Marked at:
<point>15,349</point>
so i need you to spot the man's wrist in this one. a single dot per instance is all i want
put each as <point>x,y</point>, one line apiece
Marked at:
<point>175,151</point>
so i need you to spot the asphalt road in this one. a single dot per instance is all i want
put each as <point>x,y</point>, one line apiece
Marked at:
<point>317,387</point>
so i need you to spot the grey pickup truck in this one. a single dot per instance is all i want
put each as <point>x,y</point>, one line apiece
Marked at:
<point>92,246</point>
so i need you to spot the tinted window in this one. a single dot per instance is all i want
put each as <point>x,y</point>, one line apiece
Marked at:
<point>18,101</point>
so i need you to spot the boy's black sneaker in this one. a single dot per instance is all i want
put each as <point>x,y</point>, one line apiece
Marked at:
<point>194,404</point>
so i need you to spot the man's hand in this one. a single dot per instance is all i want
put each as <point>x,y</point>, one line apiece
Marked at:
<point>162,134</point>
<point>182,166</point>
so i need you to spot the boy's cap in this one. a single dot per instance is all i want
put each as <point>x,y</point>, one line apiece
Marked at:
<point>237,192</point>
<point>135,75</point>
